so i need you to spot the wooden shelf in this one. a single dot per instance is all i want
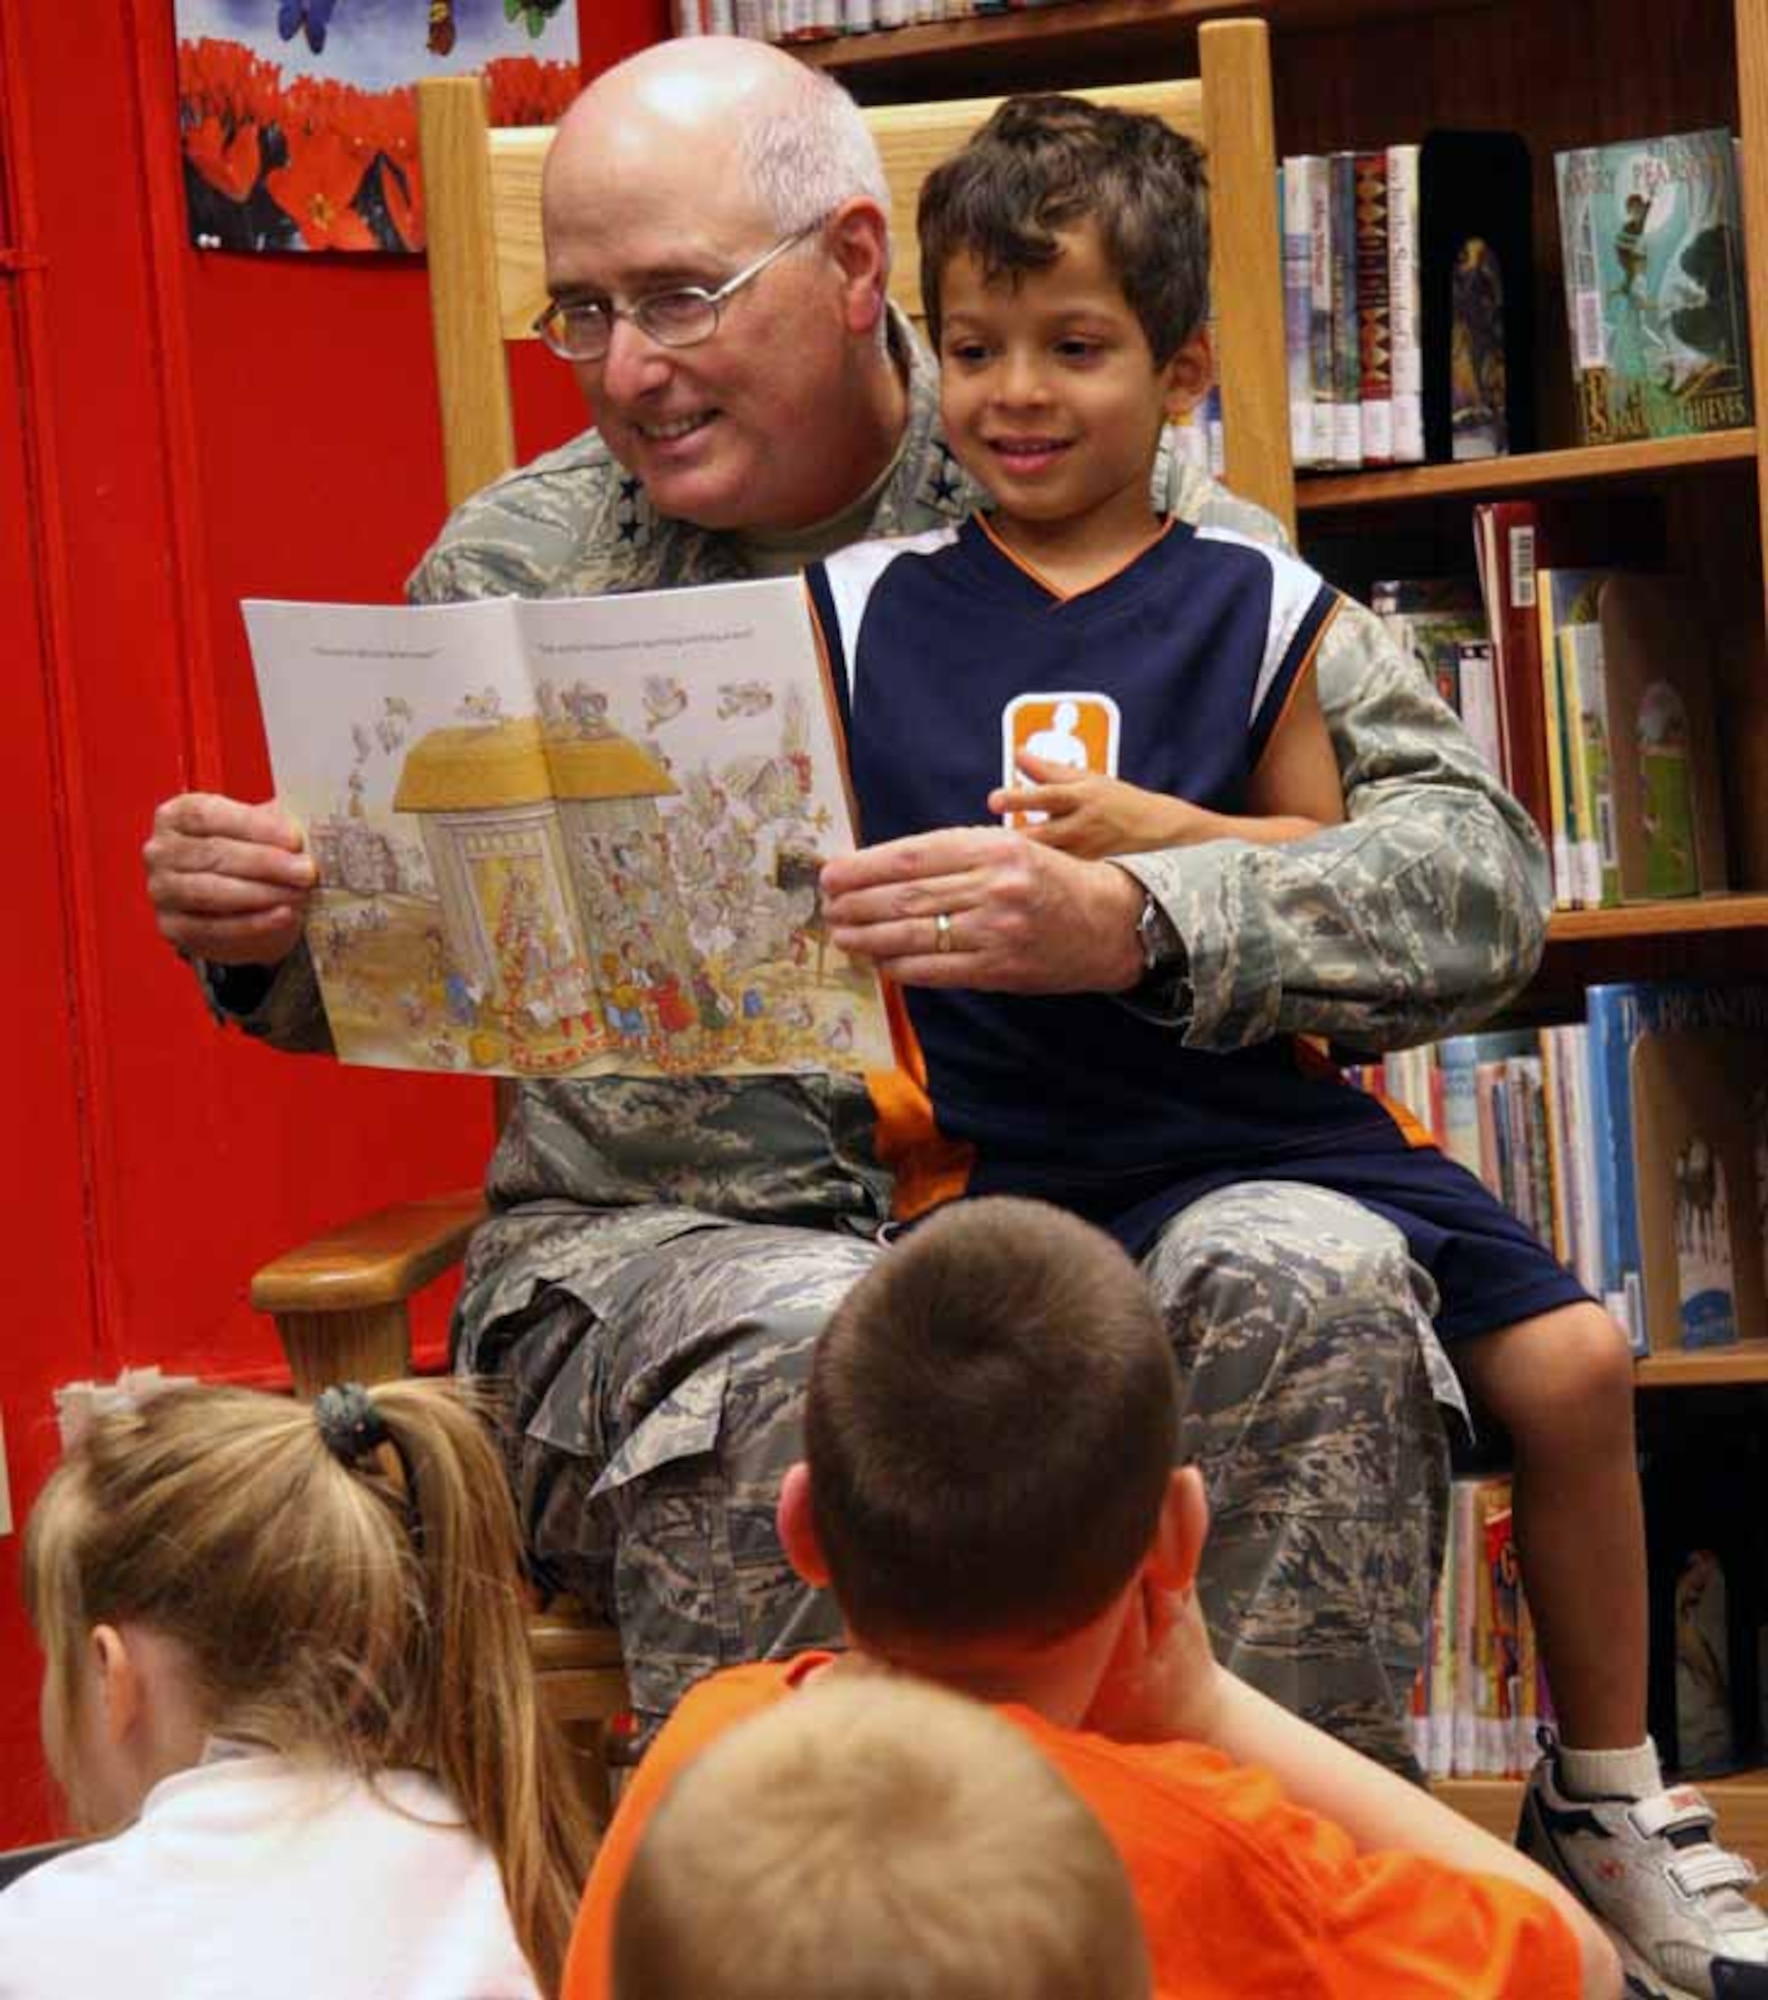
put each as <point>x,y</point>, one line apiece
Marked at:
<point>1704,1367</point>
<point>1689,916</point>
<point>1528,472</point>
<point>1742,1803</point>
<point>990,52</point>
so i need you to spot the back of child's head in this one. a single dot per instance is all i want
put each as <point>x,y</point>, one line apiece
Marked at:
<point>990,1427</point>
<point>1043,165</point>
<point>342,1582</point>
<point>876,1839</point>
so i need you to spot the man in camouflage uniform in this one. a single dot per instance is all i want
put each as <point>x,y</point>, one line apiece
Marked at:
<point>662,1253</point>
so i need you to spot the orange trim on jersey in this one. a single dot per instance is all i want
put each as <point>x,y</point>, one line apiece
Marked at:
<point>929,1168</point>
<point>1055,589</point>
<point>1313,1059</point>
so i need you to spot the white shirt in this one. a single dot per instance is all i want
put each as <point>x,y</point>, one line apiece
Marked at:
<point>251,1876</point>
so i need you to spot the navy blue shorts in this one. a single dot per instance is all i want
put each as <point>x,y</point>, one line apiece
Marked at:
<point>1490,1270</point>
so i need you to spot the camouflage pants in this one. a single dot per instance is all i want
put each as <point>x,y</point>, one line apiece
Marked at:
<point>647,1444</point>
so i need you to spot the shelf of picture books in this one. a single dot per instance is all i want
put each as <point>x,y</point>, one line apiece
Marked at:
<point>1482,1696</point>
<point>1634,1142</point>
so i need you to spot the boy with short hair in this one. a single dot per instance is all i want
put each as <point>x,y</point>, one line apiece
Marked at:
<point>896,1843</point>
<point>990,1492</point>
<point>1064,264</point>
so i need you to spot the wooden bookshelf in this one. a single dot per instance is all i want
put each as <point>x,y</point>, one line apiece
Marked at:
<point>1690,916</point>
<point>1704,1367</point>
<point>1112,39</point>
<point>1527,472</point>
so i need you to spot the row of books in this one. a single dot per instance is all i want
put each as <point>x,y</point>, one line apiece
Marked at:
<point>1409,305</point>
<point>1351,307</point>
<point>1633,1143</point>
<point>1483,1693</point>
<point>1481,1696</point>
<point>1589,689</point>
<point>823,20</point>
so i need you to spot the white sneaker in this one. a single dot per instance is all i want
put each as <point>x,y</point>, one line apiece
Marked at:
<point>1666,1892</point>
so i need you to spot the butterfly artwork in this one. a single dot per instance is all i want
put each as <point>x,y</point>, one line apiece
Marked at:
<point>309,17</point>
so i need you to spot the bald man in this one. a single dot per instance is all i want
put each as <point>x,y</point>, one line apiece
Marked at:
<point>661,1254</point>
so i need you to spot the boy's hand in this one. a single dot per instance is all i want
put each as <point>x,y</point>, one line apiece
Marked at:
<point>1093,816</point>
<point>1162,1683</point>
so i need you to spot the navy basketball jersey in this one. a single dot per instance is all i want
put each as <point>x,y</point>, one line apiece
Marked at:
<point>950,658</point>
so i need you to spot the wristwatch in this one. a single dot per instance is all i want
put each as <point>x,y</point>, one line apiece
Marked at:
<point>1164,990</point>
<point>1162,948</point>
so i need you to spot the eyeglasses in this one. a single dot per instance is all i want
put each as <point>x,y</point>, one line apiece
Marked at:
<point>583,329</point>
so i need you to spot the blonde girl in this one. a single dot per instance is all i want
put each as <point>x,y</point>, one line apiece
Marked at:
<point>285,1652</point>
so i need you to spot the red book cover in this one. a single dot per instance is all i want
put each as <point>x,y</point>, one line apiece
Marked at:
<point>1505,533</point>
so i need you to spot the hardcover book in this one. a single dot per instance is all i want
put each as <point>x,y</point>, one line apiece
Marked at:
<point>1640,1182</point>
<point>1652,235</point>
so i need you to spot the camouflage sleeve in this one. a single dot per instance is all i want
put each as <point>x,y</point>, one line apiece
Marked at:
<point>1419,916</point>
<point>288,1014</point>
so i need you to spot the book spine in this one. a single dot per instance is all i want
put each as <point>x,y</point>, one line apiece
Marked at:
<point>1594,851</point>
<point>1347,367</point>
<point>1406,362</point>
<point>1457,1061</point>
<point>1509,534</point>
<point>1553,715</point>
<point>1318,175</point>
<point>1297,305</point>
<point>1574,173</point>
<point>1477,678</point>
<point>1612,1016</point>
<point>1374,334</point>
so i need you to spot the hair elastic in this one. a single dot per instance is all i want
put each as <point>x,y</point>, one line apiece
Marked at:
<point>349,1423</point>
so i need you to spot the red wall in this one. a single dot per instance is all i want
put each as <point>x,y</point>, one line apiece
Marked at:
<point>177,430</point>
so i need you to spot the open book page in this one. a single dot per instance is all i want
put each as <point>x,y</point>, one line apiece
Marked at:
<point>570,836</point>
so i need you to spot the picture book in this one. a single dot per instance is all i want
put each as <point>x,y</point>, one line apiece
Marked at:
<point>1652,235</point>
<point>1635,1181</point>
<point>570,836</point>
<point>1669,821</point>
<point>1700,1146</point>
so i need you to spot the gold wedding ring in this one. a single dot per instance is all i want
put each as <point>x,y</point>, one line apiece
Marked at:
<point>942,926</point>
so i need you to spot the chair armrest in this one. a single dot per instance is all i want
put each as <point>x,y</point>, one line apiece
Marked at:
<point>340,1302</point>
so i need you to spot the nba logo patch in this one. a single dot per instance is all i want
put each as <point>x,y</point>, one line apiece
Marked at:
<point>1078,731</point>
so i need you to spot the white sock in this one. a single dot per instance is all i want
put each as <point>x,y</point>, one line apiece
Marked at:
<point>1599,1774</point>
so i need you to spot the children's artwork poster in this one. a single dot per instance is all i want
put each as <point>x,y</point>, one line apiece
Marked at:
<point>298,118</point>
<point>570,836</point>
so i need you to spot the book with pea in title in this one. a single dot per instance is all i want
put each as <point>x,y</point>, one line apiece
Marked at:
<point>1654,285</point>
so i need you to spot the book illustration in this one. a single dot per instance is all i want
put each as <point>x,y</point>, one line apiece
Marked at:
<point>1654,286</point>
<point>1669,818</point>
<point>1698,1143</point>
<point>570,837</point>
<point>1478,387</point>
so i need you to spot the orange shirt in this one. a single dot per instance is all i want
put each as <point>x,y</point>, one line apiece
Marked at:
<point>1240,1891</point>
